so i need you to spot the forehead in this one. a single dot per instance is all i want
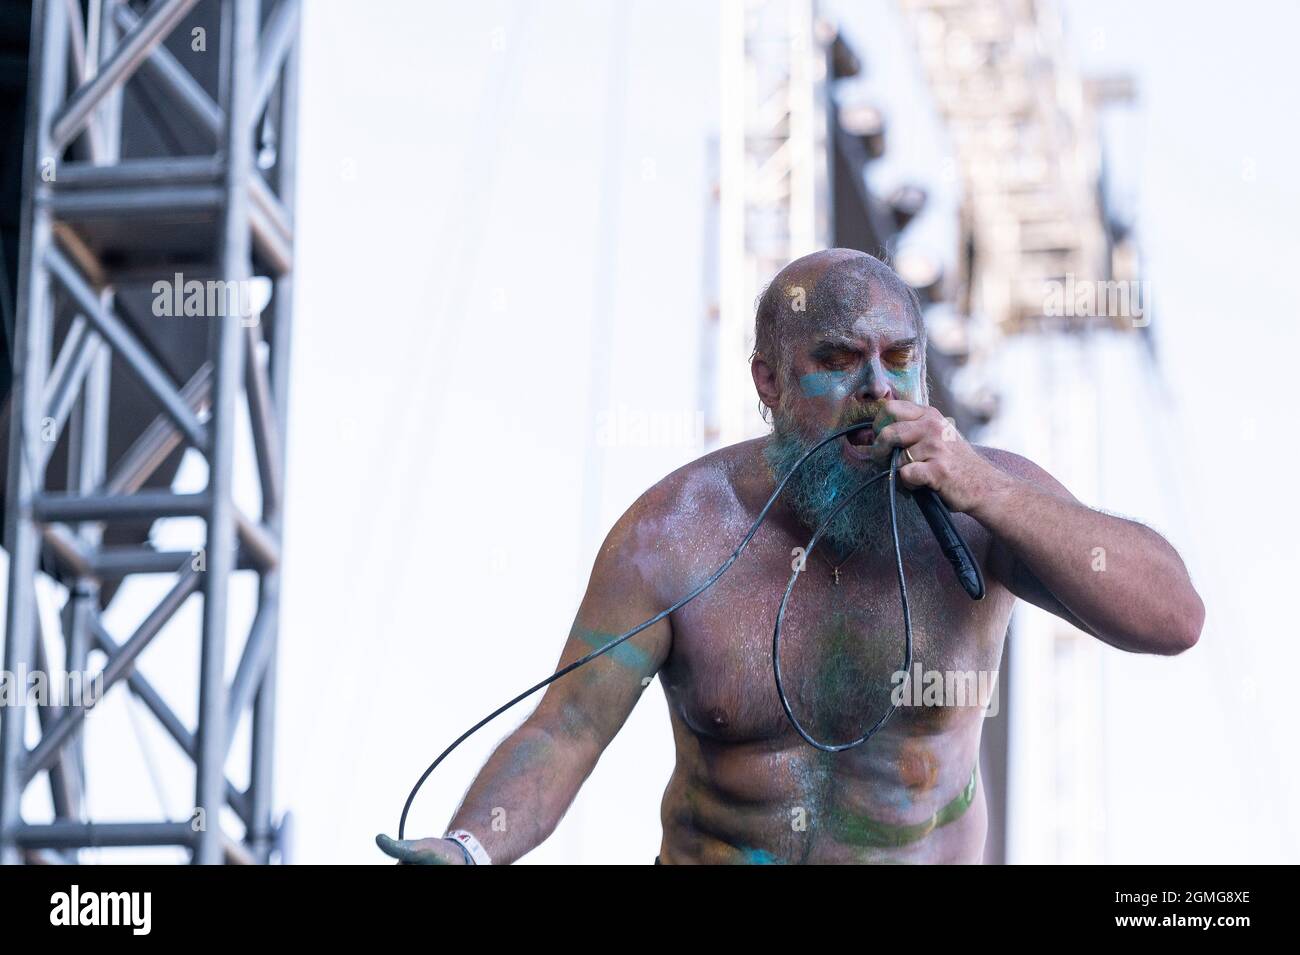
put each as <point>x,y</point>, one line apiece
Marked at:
<point>885,319</point>
<point>858,323</point>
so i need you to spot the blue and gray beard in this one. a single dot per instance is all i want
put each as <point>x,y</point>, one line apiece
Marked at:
<point>824,480</point>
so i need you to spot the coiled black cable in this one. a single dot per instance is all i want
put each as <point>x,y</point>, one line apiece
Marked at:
<point>709,582</point>
<point>902,592</point>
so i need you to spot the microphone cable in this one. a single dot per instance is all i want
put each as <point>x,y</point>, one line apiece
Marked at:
<point>891,475</point>
<point>902,593</point>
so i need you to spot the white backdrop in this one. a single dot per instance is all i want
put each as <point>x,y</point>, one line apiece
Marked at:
<point>486,191</point>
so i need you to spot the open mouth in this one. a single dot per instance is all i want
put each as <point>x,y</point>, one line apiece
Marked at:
<point>857,444</point>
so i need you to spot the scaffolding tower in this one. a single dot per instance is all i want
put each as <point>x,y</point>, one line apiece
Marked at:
<point>100,229</point>
<point>772,184</point>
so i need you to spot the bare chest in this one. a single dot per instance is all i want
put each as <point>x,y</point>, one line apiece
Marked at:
<point>842,646</point>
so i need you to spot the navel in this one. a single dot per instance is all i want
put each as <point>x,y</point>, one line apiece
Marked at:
<point>917,766</point>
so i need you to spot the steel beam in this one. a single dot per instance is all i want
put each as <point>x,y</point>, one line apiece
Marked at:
<point>67,377</point>
<point>62,241</point>
<point>31,350</point>
<point>68,835</point>
<point>277,37</point>
<point>164,70</point>
<point>160,439</point>
<point>134,48</point>
<point>261,415</point>
<point>239,50</point>
<point>169,170</point>
<point>100,507</point>
<point>117,667</point>
<point>125,344</point>
<point>153,701</point>
<point>262,836</point>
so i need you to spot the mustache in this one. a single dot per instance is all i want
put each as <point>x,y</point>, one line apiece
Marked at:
<point>787,426</point>
<point>856,416</point>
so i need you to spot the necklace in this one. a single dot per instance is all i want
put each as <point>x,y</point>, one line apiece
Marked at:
<point>835,568</point>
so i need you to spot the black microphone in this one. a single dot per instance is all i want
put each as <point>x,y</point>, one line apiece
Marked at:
<point>950,541</point>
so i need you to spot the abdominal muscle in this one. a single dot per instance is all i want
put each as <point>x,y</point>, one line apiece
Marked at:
<point>785,802</point>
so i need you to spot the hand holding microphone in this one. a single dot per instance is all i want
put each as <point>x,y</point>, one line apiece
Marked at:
<point>932,455</point>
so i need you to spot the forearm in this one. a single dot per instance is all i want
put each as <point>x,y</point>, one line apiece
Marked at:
<point>1120,578</point>
<point>523,791</point>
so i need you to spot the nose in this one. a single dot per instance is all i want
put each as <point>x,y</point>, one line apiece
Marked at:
<point>873,387</point>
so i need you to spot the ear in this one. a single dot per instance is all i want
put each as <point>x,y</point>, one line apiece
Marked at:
<point>766,382</point>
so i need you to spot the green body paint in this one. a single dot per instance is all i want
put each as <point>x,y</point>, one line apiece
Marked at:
<point>405,852</point>
<point>856,829</point>
<point>528,753</point>
<point>847,669</point>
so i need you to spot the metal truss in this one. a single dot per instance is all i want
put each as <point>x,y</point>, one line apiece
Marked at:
<point>772,178</point>
<point>95,226</point>
<point>1025,134</point>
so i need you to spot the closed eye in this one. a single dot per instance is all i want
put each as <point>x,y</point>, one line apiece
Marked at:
<point>835,359</point>
<point>901,353</point>
<point>900,356</point>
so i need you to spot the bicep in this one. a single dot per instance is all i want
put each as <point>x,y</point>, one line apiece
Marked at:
<point>589,705</point>
<point>1007,568</point>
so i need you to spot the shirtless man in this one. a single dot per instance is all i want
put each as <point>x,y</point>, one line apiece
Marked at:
<point>839,339</point>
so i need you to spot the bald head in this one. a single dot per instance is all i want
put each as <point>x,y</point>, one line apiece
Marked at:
<point>824,290</point>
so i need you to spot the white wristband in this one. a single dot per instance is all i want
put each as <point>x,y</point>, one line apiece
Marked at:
<point>471,846</point>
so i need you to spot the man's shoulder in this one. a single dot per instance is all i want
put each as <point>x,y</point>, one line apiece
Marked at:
<point>1020,466</point>
<point>701,493</point>
<point>677,517</point>
<point>1006,460</point>
<point>711,482</point>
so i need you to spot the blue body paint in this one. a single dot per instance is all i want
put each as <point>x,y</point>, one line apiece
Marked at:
<point>818,384</point>
<point>907,378</point>
<point>625,654</point>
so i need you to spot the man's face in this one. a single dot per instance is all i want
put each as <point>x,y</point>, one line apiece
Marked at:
<point>840,371</point>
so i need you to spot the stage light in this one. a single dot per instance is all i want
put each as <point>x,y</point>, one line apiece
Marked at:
<point>907,201</point>
<point>867,124</point>
<point>844,62</point>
